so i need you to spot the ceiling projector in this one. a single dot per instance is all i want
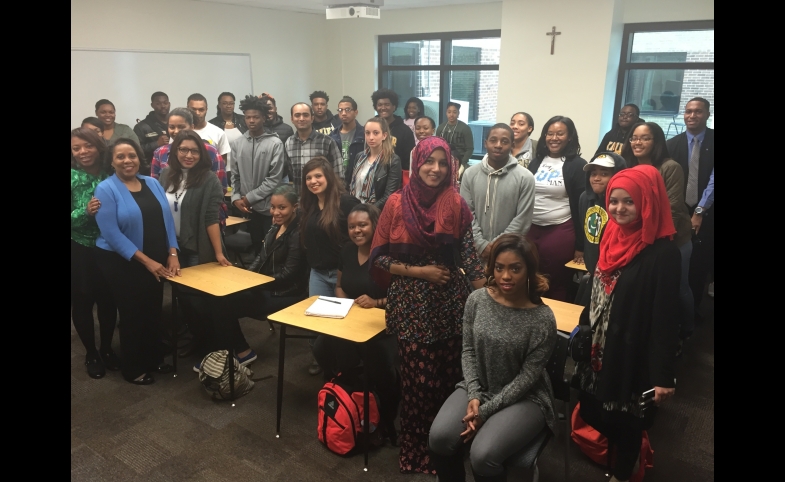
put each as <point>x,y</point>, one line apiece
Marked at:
<point>359,9</point>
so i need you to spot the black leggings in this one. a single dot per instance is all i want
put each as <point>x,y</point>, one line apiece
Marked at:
<point>88,289</point>
<point>216,320</point>
<point>623,430</point>
<point>139,297</point>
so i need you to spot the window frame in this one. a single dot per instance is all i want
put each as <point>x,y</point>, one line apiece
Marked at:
<point>444,67</point>
<point>625,65</point>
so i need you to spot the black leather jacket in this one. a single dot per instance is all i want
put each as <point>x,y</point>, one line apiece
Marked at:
<point>283,259</point>
<point>239,122</point>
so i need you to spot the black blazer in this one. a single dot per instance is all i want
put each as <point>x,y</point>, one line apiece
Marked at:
<point>679,149</point>
<point>285,261</point>
<point>575,183</point>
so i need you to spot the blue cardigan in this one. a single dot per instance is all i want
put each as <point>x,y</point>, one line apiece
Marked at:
<point>120,219</point>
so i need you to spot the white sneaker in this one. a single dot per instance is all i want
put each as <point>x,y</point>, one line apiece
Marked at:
<point>711,289</point>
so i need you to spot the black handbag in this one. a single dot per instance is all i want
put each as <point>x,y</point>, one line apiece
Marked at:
<point>580,343</point>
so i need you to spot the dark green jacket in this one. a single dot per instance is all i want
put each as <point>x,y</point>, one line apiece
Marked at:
<point>198,210</point>
<point>460,139</point>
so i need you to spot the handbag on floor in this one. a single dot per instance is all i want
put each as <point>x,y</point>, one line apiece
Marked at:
<point>341,415</point>
<point>595,445</point>
<point>214,376</point>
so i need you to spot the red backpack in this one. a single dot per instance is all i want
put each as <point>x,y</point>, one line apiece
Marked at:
<point>341,413</point>
<point>595,445</point>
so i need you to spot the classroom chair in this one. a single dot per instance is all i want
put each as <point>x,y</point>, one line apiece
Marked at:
<point>239,243</point>
<point>526,458</point>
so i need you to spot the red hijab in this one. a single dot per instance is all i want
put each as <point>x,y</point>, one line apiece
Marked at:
<point>621,244</point>
<point>420,218</point>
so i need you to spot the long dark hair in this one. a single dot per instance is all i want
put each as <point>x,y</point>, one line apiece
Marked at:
<point>420,106</point>
<point>197,175</point>
<point>573,147</point>
<point>91,137</point>
<point>537,283</point>
<point>659,151</point>
<point>309,203</point>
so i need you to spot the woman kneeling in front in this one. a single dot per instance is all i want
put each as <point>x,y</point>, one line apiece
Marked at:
<point>505,399</point>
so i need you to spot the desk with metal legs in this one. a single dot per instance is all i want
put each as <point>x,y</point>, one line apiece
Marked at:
<point>359,326</point>
<point>218,281</point>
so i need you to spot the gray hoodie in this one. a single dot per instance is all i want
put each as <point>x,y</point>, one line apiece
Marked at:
<point>502,200</point>
<point>257,169</point>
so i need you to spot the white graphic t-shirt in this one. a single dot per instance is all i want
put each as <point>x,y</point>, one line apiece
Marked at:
<point>551,203</point>
<point>216,137</point>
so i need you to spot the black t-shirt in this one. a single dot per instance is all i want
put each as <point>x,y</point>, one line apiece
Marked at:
<point>355,277</point>
<point>321,251</point>
<point>154,242</point>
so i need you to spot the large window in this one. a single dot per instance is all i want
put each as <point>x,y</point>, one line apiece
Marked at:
<point>664,65</point>
<point>460,67</point>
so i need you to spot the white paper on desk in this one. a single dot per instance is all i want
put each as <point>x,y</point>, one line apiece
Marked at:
<point>326,309</point>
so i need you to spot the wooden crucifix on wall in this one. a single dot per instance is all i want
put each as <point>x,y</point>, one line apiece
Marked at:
<point>553,33</point>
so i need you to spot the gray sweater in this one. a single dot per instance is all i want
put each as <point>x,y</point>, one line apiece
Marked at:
<point>199,209</point>
<point>505,351</point>
<point>257,169</point>
<point>502,200</point>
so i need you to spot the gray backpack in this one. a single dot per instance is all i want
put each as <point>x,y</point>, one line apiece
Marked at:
<point>214,375</point>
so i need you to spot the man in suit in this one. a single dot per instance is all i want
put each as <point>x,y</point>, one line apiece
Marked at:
<point>694,150</point>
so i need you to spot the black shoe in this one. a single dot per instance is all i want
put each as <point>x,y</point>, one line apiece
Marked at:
<point>164,368</point>
<point>111,360</point>
<point>448,468</point>
<point>388,431</point>
<point>95,368</point>
<point>146,380</point>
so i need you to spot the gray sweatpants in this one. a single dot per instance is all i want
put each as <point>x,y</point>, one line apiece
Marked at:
<point>502,435</point>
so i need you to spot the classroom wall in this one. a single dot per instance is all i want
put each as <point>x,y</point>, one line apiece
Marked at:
<point>291,54</point>
<point>639,11</point>
<point>359,45</point>
<point>579,81</point>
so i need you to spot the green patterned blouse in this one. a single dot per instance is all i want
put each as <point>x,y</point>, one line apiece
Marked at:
<point>84,230</point>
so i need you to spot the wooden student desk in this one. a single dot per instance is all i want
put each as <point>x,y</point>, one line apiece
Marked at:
<point>235,220</point>
<point>567,314</point>
<point>218,281</point>
<point>571,264</point>
<point>359,326</point>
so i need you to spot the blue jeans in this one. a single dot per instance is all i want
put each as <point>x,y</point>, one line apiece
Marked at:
<point>322,282</point>
<point>685,292</point>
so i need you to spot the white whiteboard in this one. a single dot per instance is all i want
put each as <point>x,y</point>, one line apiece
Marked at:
<point>129,77</point>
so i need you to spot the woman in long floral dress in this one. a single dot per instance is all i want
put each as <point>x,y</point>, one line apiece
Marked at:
<point>422,247</point>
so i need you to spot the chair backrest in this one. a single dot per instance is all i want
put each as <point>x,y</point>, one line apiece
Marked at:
<point>556,365</point>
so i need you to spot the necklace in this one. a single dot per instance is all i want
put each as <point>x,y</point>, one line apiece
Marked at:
<point>178,195</point>
<point>452,133</point>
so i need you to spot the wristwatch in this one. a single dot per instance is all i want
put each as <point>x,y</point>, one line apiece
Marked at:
<point>699,211</point>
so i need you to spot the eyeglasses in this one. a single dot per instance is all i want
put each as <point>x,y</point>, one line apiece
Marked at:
<point>227,104</point>
<point>347,110</point>
<point>185,151</point>
<point>626,115</point>
<point>633,140</point>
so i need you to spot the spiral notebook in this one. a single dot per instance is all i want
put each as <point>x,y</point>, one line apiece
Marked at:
<point>330,307</point>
